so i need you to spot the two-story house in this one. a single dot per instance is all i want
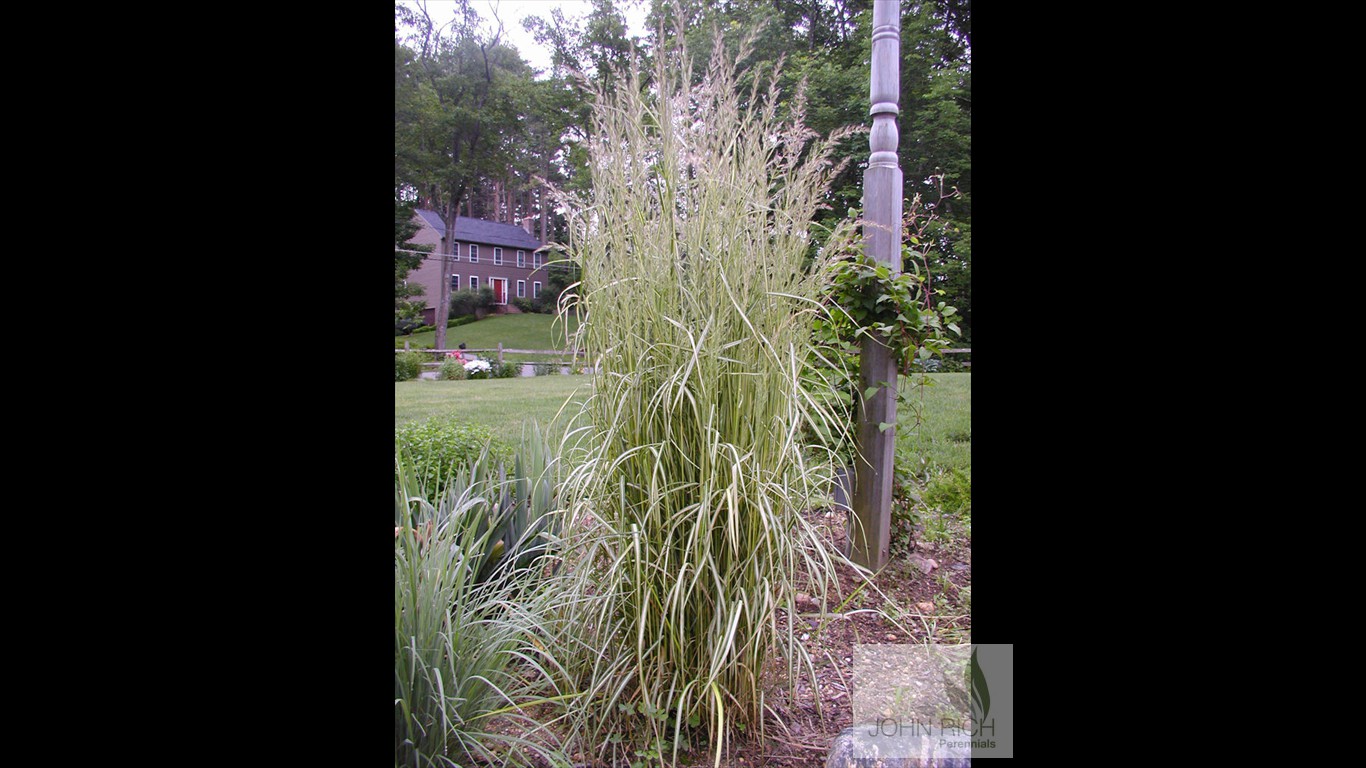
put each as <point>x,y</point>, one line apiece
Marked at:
<point>486,254</point>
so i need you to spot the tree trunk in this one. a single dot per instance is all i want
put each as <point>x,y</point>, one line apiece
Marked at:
<point>545,215</point>
<point>443,307</point>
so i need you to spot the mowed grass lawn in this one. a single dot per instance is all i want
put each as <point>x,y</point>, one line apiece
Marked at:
<point>944,437</point>
<point>524,331</point>
<point>503,405</point>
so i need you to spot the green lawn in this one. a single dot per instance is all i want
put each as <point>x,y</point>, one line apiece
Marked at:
<point>523,331</point>
<point>504,405</point>
<point>944,436</point>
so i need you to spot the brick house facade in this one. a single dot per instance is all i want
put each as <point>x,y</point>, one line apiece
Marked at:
<point>487,254</point>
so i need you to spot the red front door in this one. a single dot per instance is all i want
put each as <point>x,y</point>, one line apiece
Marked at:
<point>500,291</point>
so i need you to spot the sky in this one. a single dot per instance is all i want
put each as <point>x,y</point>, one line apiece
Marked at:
<point>513,11</point>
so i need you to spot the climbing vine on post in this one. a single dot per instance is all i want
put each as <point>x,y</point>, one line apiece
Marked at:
<point>869,302</point>
<point>867,299</point>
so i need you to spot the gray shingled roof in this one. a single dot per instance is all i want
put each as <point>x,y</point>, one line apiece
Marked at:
<point>469,230</point>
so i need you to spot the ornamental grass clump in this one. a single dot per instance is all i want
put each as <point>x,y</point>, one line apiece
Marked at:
<point>468,612</point>
<point>698,294</point>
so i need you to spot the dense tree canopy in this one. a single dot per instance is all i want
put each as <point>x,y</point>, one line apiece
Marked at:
<point>479,132</point>
<point>462,120</point>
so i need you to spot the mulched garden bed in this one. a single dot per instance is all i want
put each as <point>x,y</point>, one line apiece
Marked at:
<point>919,597</point>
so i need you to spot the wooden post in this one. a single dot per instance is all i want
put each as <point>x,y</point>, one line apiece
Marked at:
<point>871,523</point>
<point>500,353</point>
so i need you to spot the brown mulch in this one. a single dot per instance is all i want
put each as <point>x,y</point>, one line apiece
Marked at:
<point>801,727</point>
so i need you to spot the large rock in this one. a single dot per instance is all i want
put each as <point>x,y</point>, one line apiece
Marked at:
<point>890,745</point>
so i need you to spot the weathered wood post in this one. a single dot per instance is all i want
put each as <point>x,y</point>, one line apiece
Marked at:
<point>870,534</point>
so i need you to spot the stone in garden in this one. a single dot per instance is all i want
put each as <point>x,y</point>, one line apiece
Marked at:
<point>909,708</point>
<point>923,564</point>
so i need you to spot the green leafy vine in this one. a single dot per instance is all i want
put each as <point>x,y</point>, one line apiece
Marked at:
<point>898,308</point>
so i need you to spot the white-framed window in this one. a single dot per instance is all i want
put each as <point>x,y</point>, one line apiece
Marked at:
<point>540,260</point>
<point>474,282</point>
<point>455,252</point>
<point>521,259</point>
<point>455,282</point>
<point>536,289</point>
<point>474,253</point>
<point>497,257</point>
<point>521,289</point>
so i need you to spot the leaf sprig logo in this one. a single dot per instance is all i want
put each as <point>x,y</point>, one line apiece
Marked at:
<point>981,696</point>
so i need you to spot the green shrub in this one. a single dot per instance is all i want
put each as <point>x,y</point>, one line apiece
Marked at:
<point>463,303</point>
<point>459,321</point>
<point>466,302</point>
<point>404,326</point>
<point>407,365</point>
<point>453,369</point>
<point>436,449</point>
<point>524,304</point>
<point>507,370</point>
<point>950,491</point>
<point>946,511</point>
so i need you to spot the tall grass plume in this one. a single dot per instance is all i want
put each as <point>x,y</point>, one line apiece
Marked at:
<point>697,297</point>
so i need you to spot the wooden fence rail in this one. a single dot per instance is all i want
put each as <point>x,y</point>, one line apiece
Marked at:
<point>500,349</point>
